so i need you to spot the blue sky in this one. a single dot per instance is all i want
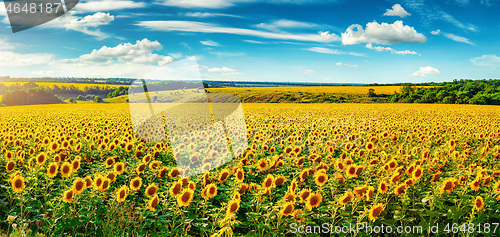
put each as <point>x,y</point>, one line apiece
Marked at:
<point>334,41</point>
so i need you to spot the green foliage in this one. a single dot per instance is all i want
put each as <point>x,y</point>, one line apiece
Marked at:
<point>483,92</point>
<point>31,96</point>
<point>98,99</point>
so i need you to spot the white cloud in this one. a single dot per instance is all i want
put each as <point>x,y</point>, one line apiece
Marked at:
<point>490,60</point>
<point>308,71</point>
<point>254,41</point>
<point>232,73</point>
<point>222,69</point>
<point>13,59</point>
<point>138,53</point>
<point>107,5</point>
<point>228,3</point>
<point>436,32</point>
<point>5,44</point>
<point>88,25</point>
<point>424,71</point>
<point>331,51</point>
<point>457,38</point>
<point>227,54</point>
<point>389,49</point>
<point>346,65</point>
<point>201,27</point>
<point>397,10</point>
<point>42,73</point>
<point>209,43</point>
<point>277,25</point>
<point>382,34</point>
<point>208,14</point>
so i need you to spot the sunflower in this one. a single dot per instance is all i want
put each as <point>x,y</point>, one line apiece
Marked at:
<point>479,204</point>
<point>111,176</point>
<point>360,191</point>
<point>398,191</point>
<point>351,171</point>
<point>280,180</point>
<point>162,172</point>
<point>394,179</point>
<point>447,185</point>
<point>79,185</point>
<point>224,175</point>
<point>240,175</point>
<point>410,182</point>
<point>304,194</point>
<point>486,181</point>
<point>140,168</point>
<point>53,146</point>
<point>109,162</point>
<point>211,190</point>
<point>417,173</point>
<point>129,147</point>
<point>233,206</point>
<point>135,183</point>
<point>154,165</point>
<point>52,170</point>
<point>475,184</point>
<point>320,178</point>
<point>298,215</point>
<point>375,211</point>
<point>68,195</point>
<point>287,209</point>
<point>174,172</point>
<point>17,182</point>
<point>66,169</point>
<point>268,182</point>
<point>243,188</point>
<point>10,166</point>
<point>151,190</point>
<point>41,158</point>
<point>348,196</point>
<point>293,185</point>
<point>98,181</point>
<point>262,165</point>
<point>175,189</point>
<point>105,184</point>
<point>369,193</point>
<point>153,202</point>
<point>75,165</point>
<point>289,197</point>
<point>435,177</point>
<point>382,187</point>
<point>185,197</point>
<point>88,182</point>
<point>146,159</point>
<point>303,175</point>
<point>313,200</point>
<point>119,167</point>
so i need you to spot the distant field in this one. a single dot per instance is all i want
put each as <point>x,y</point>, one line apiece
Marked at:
<point>353,90</point>
<point>80,86</point>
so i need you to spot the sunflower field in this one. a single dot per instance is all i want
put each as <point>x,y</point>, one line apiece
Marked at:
<point>79,170</point>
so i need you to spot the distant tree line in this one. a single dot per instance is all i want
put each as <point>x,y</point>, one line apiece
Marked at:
<point>37,95</point>
<point>483,92</point>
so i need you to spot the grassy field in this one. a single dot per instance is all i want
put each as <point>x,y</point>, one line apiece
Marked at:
<point>80,86</point>
<point>353,90</point>
<point>77,169</point>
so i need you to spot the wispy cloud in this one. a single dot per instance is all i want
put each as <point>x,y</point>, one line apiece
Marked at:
<point>208,14</point>
<point>283,24</point>
<point>346,65</point>
<point>429,11</point>
<point>457,38</point>
<point>107,5</point>
<point>389,49</point>
<point>210,43</point>
<point>88,24</point>
<point>331,51</point>
<point>201,27</point>
<point>214,4</point>
<point>491,60</point>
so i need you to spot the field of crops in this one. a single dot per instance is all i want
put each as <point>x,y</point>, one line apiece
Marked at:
<point>77,169</point>
<point>80,86</point>
<point>352,90</point>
